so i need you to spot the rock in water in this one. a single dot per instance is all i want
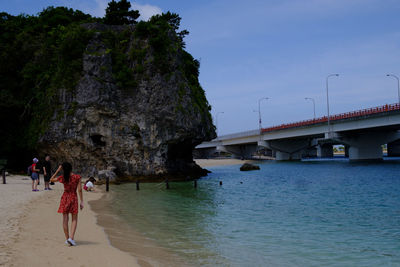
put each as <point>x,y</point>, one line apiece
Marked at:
<point>145,125</point>
<point>249,167</point>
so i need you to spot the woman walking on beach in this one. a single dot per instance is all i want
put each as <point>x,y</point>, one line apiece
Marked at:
<point>69,199</point>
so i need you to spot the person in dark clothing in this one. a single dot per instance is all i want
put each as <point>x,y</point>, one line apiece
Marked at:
<point>38,166</point>
<point>47,173</point>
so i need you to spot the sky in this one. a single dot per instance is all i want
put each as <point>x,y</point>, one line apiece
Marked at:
<point>280,49</point>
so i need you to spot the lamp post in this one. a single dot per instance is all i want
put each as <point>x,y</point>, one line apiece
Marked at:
<point>398,84</point>
<point>256,111</point>
<point>259,112</point>
<point>327,100</point>
<point>216,121</point>
<point>312,99</point>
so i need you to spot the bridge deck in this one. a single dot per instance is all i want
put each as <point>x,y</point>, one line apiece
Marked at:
<point>347,115</point>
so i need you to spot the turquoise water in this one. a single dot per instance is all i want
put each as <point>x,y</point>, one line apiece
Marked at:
<point>328,213</point>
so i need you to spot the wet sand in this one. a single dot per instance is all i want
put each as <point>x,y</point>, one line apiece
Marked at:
<point>125,238</point>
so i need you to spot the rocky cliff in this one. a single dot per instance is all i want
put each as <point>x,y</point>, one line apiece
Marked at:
<point>137,110</point>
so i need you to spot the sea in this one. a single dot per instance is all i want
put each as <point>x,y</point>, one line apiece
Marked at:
<point>307,213</point>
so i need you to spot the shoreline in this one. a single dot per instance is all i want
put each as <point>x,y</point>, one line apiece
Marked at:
<point>30,219</point>
<point>204,163</point>
<point>36,237</point>
<point>125,238</point>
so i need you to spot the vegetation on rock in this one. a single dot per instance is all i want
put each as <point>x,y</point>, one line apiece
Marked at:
<point>39,55</point>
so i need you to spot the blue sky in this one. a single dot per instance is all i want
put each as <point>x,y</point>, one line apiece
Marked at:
<point>279,49</point>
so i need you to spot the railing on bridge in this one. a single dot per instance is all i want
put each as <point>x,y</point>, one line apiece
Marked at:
<point>238,135</point>
<point>347,115</point>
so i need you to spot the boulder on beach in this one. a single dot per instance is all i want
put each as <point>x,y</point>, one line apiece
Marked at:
<point>249,167</point>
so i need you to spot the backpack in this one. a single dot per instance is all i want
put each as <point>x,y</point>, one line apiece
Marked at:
<point>30,170</point>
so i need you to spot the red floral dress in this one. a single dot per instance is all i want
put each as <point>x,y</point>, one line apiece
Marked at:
<point>69,199</point>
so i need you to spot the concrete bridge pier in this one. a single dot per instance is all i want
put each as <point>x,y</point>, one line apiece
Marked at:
<point>204,153</point>
<point>368,146</point>
<point>364,152</point>
<point>310,152</point>
<point>325,151</point>
<point>287,156</point>
<point>393,149</point>
<point>287,149</point>
<point>244,151</point>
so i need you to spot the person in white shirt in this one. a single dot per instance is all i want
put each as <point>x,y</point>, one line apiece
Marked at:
<point>89,184</point>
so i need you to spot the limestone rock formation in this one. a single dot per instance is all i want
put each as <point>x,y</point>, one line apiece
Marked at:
<point>146,130</point>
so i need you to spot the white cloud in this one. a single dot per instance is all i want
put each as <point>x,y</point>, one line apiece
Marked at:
<point>146,11</point>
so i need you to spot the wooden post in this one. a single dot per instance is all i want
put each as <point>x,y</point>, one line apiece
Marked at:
<point>195,183</point>
<point>107,184</point>
<point>220,182</point>
<point>4,176</point>
<point>137,185</point>
<point>167,184</point>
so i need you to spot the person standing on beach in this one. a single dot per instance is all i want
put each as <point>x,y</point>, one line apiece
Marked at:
<point>47,172</point>
<point>39,167</point>
<point>69,199</point>
<point>35,175</point>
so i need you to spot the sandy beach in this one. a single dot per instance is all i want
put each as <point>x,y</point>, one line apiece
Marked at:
<point>14,198</point>
<point>31,232</point>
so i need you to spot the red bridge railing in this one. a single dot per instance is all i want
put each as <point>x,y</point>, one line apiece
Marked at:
<point>347,115</point>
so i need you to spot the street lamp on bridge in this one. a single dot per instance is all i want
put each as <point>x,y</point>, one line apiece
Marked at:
<point>216,121</point>
<point>327,100</point>
<point>312,99</point>
<point>259,111</point>
<point>398,84</point>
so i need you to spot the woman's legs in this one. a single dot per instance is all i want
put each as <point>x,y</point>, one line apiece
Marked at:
<point>34,184</point>
<point>65,225</point>
<point>74,225</point>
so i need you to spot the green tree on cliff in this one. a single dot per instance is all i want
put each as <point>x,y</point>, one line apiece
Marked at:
<point>118,13</point>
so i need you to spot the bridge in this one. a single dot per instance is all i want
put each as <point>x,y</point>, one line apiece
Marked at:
<point>362,132</point>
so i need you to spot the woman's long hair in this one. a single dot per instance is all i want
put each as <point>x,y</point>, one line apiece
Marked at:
<point>67,168</point>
